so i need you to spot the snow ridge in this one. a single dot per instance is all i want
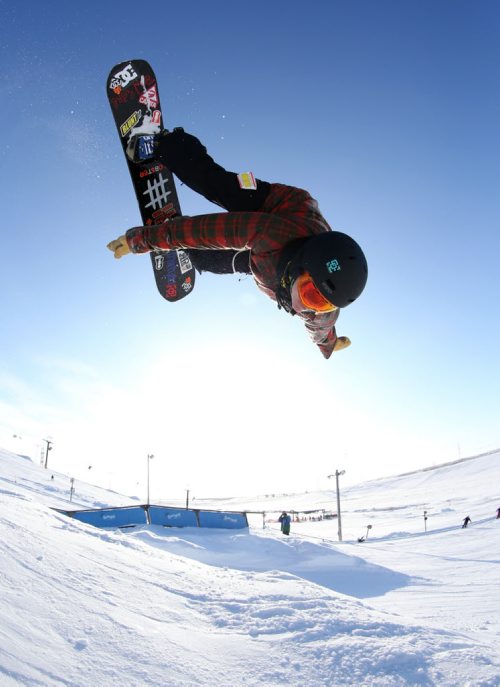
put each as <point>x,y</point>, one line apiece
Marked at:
<point>83,606</point>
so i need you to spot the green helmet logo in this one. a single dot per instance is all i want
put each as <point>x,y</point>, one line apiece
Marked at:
<point>333,266</point>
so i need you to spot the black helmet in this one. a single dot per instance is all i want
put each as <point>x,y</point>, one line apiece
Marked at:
<point>337,266</point>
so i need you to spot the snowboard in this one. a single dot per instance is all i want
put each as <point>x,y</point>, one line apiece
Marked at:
<point>133,95</point>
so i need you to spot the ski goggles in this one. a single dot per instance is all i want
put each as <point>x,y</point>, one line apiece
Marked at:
<point>310,297</point>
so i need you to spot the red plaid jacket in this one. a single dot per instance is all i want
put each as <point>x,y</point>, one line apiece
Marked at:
<point>287,214</point>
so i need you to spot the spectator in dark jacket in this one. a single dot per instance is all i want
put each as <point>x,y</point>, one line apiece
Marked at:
<point>272,231</point>
<point>285,521</point>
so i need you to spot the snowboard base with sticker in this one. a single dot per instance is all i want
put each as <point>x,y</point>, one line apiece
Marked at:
<point>133,95</point>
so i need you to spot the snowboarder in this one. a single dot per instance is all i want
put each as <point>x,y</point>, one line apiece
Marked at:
<point>272,231</point>
<point>285,521</point>
<point>466,522</point>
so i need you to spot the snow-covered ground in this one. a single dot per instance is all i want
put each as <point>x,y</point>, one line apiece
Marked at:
<point>151,606</point>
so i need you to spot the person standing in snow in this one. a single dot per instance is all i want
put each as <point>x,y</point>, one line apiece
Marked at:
<point>285,521</point>
<point>498,513</point>
<point>272,231</point>
<point>466,522</point>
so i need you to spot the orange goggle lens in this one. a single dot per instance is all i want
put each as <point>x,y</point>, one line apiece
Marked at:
<point>310,296</point>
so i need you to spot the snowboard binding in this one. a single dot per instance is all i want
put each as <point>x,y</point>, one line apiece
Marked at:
<point>141,147</point>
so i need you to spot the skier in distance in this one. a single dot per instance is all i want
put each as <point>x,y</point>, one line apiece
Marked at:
<point>272,231</point>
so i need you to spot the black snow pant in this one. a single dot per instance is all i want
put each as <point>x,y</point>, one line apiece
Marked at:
<point>188,159</point>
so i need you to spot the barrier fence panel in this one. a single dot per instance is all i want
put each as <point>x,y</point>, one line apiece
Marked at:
<point>227,521</point>
<point>112,517</point>
<point>172,517</point>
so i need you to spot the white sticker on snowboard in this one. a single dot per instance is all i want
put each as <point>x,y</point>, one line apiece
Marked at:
<point>122,79</point>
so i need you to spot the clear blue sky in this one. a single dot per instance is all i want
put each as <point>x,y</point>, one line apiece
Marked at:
<point>387,112</point>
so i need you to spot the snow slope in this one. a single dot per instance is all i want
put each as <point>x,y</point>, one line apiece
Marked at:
<point>151,606</point>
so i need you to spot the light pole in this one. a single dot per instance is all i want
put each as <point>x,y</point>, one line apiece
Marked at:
<point>47,449</point>
<point>339,518</point>
<point>150,457</point>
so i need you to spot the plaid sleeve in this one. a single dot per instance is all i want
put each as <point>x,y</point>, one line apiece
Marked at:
<point>321,328</point>
<point>286,214</point>
<point>222,230</point>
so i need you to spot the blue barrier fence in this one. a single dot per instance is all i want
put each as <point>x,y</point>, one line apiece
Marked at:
<point>111,517</point>
<point>172,517</point>
<point>167,516</point>
<point>226,521</point>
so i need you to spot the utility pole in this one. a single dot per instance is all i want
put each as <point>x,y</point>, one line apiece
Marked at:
<point>187,499</point>
<point>150,457</point>
<point>47,449</point>
<point>339,517</point>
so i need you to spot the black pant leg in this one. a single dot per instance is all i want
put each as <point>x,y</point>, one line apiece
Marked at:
<point>188,159</point>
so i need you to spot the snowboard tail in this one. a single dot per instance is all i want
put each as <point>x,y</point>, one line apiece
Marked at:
<point>134,98</point>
